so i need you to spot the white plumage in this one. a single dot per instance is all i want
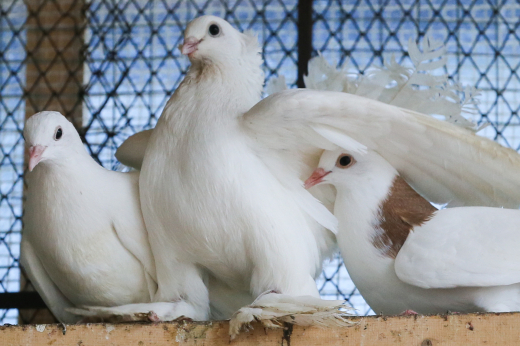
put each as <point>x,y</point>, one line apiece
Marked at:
<point>403,254</point>
<point>220,184</point>
<point>84,240</point>
<point>131,152</point>
<point>84,244</point>
<point>274,310</point>
<point>207,194</point>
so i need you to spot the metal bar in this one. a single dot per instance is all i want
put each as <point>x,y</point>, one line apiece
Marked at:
<point>21,300</point>
<point>305,24</point>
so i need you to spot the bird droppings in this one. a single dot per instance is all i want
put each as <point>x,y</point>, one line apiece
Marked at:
<point>287,332</point>
<point>189,331</point>
<point>109,328</point>
<point>181,335</point>
<point>469,326</point>
<point>40,328</point>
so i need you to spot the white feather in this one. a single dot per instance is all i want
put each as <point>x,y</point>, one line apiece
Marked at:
<point>416,88</point>
<point>131,152</point>
<point>274,310</point>
<point>275,84</point>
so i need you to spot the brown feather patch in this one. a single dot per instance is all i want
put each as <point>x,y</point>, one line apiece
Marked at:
<point>398,214</point>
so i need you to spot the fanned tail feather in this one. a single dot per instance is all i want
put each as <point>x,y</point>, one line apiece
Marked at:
<point>416,88</point>
<point>273,310</point>
<point>275,85</point>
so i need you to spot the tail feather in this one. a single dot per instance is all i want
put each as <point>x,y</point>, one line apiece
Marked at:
<point>149,312</point>
<point>422,87</point>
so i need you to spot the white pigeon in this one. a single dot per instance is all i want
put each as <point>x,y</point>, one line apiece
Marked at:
<point>220,182</point>
<point>84,241</point>
<point>402,253</point>
<point>84,244</point>
<point>227,235</point>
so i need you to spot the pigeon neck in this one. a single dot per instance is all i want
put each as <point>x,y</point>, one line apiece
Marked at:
<point>74,162</point>
<point>380,211</point>
<point>357,208</point>
<point>399,213</point>
<point>370,217</point>
<point>236,83</point>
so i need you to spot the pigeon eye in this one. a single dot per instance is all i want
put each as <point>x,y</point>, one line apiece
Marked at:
<point>58,133</point>
<point>345,161</point>
<point>214,30</point>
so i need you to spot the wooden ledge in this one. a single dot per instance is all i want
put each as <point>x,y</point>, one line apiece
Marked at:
<point>471,329</point>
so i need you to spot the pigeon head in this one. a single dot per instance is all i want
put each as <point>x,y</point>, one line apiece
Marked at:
<point>49,135</point>
<point>212,40</point>
<point>348,169</point>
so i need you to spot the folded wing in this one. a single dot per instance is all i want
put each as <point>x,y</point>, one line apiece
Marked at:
<point>463,247</point>
<point>131,152</point>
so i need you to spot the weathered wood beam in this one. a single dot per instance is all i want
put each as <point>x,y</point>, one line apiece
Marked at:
<point>463,330</point>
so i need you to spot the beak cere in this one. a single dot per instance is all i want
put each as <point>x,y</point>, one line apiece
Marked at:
<point>316,177</point>
<point>35,155</point>
<point>190,45</point>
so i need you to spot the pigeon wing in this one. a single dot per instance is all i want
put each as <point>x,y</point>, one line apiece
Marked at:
<point>50,293</point>
<point>131,152</point>
<point>129,226</point>
<point>444,163</point>
<point>462,247</point>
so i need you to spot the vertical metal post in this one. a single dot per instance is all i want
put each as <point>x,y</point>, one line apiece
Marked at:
<point>54,74</point>
<point>305,24</point>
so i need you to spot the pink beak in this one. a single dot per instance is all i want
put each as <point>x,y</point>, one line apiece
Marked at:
<point>190,45</point>
<point>316,177</point>
<point>35,155</point>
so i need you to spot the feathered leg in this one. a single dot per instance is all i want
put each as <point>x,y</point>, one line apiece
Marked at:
<point>273,310</point>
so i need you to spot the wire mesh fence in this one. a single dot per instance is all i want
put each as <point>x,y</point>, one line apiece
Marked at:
<point>112,65</point>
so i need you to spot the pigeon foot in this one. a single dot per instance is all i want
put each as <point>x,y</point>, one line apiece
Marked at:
<point>276,310</point>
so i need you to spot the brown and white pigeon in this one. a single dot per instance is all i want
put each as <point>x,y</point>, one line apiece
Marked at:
<point>404,254</point>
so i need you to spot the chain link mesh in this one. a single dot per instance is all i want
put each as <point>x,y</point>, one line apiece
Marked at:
<point>130,66</point>
<point>12,114</point>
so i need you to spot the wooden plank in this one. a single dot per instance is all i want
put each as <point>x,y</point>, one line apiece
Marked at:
<point>55,46</point>
<point>471,329</point>
<point>54,76</point>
